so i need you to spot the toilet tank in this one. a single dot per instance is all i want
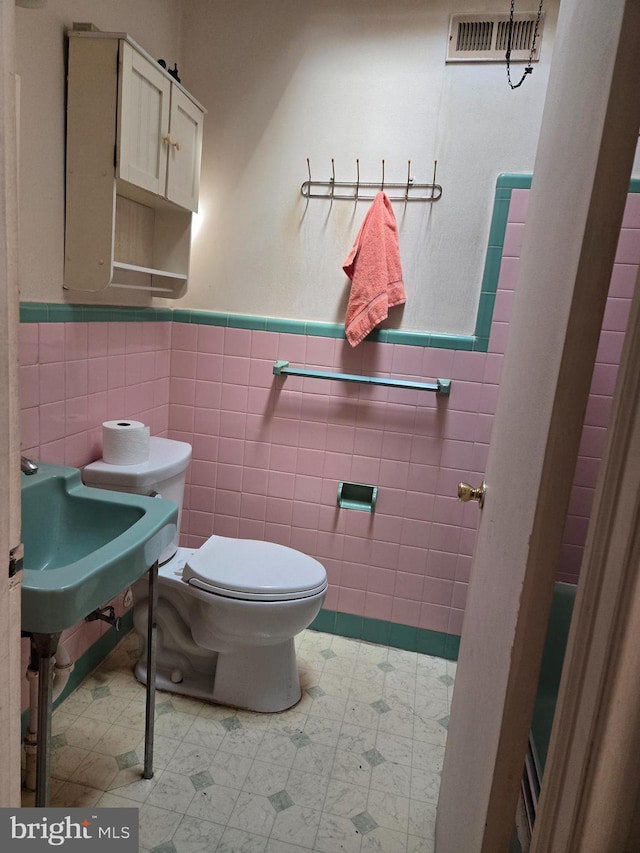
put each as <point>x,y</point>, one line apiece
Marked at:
<point>163,473</point>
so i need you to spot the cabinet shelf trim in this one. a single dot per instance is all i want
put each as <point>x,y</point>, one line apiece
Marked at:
<point>148,288</point>
<point>117,265</point>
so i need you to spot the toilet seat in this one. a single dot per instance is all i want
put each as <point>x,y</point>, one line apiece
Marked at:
<point>253,570</point>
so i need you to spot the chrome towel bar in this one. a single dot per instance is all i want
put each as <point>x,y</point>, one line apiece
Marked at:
<point>440,386</point>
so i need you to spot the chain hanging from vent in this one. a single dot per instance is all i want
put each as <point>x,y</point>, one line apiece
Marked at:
<point>529,67</point>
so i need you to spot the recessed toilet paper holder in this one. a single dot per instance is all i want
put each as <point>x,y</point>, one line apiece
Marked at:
<point>357,496</point>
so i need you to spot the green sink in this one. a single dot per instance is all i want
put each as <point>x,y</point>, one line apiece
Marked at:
<point>83,546</point>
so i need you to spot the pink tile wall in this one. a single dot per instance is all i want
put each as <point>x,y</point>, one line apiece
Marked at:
<point>269,454</point>
<point>74,376</point>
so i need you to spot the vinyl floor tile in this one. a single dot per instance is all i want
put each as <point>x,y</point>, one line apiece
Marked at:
<point>353,767</point>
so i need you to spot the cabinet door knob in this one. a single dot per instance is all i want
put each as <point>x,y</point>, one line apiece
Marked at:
<point>171,141</point>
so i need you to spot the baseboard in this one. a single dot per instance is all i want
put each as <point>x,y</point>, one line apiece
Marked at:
<point>391,634</point>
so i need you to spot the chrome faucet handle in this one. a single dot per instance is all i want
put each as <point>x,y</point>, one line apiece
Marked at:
<point>28,466</point>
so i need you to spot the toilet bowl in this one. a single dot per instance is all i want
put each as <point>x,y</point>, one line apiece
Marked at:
<point>228,611</point>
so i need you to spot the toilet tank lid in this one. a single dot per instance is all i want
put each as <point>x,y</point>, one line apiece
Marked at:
<point>167,458</point>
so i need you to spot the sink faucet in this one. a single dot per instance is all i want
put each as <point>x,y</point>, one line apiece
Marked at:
<point>28,466</point>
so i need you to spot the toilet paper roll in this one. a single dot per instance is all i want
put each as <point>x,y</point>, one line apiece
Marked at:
<point>125,442</point>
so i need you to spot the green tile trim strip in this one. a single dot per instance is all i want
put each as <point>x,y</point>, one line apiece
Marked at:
<point>504,185</point>
<point>51,312</point>
<point>322,330</point>
<point>43,312</point>
<point>92,658</point>
<point>514,181</point>
<point>391,634</point>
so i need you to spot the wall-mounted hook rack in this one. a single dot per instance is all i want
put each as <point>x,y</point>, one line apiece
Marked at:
<point>411,191</point>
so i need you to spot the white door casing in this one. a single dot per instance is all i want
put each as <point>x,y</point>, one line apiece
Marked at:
<point>10,674</point>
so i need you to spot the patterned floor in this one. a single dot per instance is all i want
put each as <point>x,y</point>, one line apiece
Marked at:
<point>353,767</point>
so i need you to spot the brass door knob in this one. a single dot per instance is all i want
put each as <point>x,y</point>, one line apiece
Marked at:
<point>468,493</point>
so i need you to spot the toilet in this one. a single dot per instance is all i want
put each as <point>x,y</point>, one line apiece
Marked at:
<point>228,611</point>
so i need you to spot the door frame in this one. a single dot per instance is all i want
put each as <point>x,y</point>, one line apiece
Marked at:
<point>10,660</point>
<point>581,176</point>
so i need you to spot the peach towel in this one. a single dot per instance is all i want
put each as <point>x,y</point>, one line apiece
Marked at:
<point>373,265</point>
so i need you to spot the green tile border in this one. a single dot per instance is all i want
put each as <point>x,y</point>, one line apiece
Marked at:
<point>324,330</point>
<point>391,634</point>
<point>493,258</point>
<point>88,661</point>
<point>514,181</point>
<point>44,312</point>
<point>50,312</point>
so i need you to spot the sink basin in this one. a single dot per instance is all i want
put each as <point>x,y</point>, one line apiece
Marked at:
<point>83,546</point>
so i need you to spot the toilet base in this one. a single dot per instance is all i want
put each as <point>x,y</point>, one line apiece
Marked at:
<point>196,685</point>
<point>263,679</point>
<point>260,678</point>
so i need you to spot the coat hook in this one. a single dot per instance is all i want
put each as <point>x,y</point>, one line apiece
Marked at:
<point>333,177</point>
<point>382,184</point>
<point>309,169</point>
<point>357,176</point>
<point>409,180</point>
<point>433,188</point>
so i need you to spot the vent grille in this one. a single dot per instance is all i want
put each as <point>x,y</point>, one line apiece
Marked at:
<point>484,38</point>
<point>474,35</point>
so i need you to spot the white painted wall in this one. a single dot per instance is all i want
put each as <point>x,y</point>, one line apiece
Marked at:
<point>286,80</point>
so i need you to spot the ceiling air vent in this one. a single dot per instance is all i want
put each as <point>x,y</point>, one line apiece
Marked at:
<point>484,38</point>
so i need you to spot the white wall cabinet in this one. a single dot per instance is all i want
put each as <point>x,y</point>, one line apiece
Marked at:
<point>134,143</point>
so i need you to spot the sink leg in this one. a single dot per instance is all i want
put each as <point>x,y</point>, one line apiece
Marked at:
<point>44,647</point>
<point>151,672</point>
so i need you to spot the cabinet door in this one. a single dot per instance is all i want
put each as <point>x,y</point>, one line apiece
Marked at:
<point>185,149</point>
<point>144,122</point>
